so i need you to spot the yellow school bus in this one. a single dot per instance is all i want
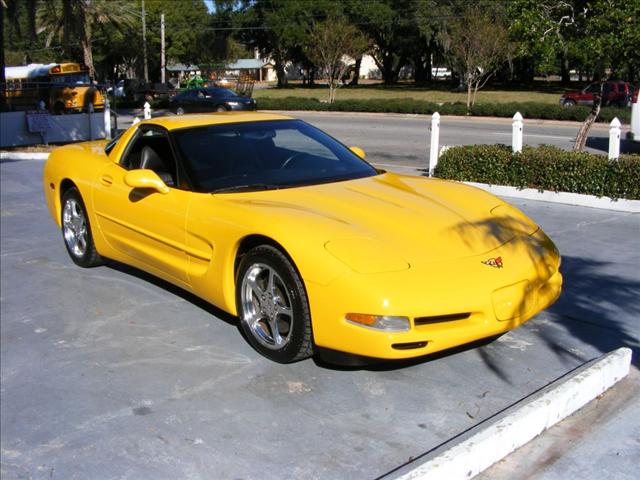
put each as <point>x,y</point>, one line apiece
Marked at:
<point>61,87</point>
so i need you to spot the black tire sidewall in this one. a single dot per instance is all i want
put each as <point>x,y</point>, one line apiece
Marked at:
<point>90,257</point>
<point>301,318</point>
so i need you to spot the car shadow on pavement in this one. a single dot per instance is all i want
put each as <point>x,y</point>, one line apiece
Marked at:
<point>169,287</point>
<point>591,304</point>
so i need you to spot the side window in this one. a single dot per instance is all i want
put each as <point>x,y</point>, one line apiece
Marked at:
<point>151,150</point>
<point>593,88</point>
<point>607,88</point>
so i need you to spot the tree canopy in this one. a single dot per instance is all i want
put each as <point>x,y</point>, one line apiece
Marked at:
<point>593,37</point>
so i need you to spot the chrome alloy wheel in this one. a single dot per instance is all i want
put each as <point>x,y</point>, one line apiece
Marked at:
<point>266,306</point>
<point>74,225</point>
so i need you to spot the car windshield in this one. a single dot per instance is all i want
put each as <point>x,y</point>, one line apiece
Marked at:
<point>265,155</point>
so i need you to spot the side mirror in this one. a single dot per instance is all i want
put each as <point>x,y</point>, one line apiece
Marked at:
<point>143,178</point>
<point>358,151</point>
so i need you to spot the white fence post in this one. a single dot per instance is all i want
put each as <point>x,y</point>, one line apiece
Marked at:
<point>635,122</point>
<point>516,133</point>
<point>435,138</point>
<point>614,139</point>
<point>107,119</point>
<point>147,111</point>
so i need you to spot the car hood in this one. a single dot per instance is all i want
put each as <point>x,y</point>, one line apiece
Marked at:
<point>407,220</point>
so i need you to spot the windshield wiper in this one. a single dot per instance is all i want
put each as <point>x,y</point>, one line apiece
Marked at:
<point>247,187</point>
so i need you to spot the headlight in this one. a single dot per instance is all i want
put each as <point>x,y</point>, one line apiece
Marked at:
<point>386,323</point>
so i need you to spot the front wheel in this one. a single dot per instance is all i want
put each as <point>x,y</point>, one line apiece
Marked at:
<point>221,108</point>
<point>76,230</point>
<point>272,306</point>
<point>179,111</point>
<point>569,103</point>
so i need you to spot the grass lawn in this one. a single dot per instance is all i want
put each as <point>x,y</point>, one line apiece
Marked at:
<point>439,95</point>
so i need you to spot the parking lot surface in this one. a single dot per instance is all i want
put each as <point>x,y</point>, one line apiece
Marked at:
<point>109,373</point>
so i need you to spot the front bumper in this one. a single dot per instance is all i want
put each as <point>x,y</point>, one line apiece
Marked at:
<point>449,303</point>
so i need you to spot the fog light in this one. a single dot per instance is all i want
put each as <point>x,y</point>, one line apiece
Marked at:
<point>379,322</point>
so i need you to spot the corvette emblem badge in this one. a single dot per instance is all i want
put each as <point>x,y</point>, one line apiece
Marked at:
<point>494,262</point>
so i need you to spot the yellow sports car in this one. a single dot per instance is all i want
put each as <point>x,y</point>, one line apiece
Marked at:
<point>274,221</point>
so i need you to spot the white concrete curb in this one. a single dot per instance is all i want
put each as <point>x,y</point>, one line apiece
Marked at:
<point>24,155</point>
<point>469,454</point>
<point>620,205</point>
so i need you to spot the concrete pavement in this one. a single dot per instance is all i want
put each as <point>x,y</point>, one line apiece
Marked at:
<point>109,373</point>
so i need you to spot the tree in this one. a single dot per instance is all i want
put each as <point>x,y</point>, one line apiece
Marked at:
<point>478,45</point>
<point>277,28</point>
<point>391,28</point>
<point>331,43</point>
<point>546,31</point>
<point>612,36</point>
<point>77,19</point>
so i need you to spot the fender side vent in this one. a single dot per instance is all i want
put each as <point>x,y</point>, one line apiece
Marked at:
<point>409,346</point>
<point>441,318</point>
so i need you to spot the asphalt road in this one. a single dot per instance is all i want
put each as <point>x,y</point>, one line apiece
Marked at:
<point>109,373</point>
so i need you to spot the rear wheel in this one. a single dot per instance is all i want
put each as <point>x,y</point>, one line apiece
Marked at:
<point>179,111</point>
<point>76,230</point>
<point>220,108</point>
<point>569,103</point>
<point>272,306</point>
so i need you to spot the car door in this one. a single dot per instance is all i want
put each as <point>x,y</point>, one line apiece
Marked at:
<point>145,226</point>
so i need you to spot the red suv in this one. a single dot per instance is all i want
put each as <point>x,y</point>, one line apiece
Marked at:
<point>614,94</point>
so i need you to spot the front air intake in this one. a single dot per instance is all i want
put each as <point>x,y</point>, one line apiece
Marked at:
<point>409,346</point>
<point>441,318</point>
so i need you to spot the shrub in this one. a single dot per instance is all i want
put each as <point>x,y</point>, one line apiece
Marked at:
<point>410,105</point>
<point>543,168</point>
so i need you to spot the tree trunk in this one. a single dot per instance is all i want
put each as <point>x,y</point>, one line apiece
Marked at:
<point>280,70</point>
<point>583,133</point>
<point>67,19</point>
<point>564,70</point>
<point>356,71</point>
<point>468,94</point>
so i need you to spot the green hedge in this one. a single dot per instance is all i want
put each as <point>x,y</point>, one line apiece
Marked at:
<point>409,105</point>
<point>543,168</point>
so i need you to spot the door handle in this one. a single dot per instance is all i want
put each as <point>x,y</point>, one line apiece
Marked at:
<point>106,180</point>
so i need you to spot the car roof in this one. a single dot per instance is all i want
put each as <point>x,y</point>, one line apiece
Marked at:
<point>175,122</point>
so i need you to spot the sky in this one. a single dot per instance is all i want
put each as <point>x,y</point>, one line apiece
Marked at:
<point>209,4</point>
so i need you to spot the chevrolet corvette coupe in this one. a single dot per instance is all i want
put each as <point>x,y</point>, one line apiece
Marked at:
<point>272,220</point>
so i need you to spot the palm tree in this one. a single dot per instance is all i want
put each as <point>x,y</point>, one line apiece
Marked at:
<point>77,18</point>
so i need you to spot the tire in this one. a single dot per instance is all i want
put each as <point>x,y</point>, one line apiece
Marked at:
<point>569,103</point>
<point>272,306</point>
<point>221,108</point>
<point>179,111</point>
<point>76,231</point>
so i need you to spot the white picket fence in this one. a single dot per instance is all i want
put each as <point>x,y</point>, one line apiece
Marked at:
<point>517,138</point>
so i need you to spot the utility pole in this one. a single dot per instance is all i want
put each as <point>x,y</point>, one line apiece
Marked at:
<point>162,61</point>
<point>144,45</point>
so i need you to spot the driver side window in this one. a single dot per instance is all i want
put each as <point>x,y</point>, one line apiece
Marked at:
<point>151,150</point>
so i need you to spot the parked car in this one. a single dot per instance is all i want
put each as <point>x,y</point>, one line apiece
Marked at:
<point>212,99</point>
<point>614,94</point>
<point>272,220</point>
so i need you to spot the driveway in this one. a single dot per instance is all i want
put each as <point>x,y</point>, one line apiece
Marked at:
<point>109,373</point>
